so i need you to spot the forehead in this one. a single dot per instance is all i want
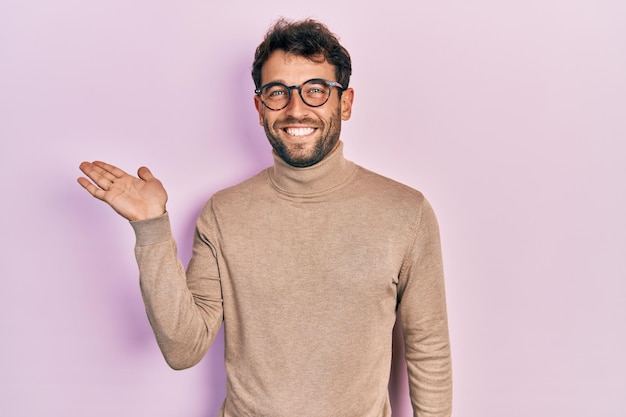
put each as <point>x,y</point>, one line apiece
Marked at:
<point>294,69</point>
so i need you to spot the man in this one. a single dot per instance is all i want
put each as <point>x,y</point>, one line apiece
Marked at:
<point>306,263</point>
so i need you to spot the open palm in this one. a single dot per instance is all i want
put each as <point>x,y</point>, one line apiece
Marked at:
<point>135,198</point>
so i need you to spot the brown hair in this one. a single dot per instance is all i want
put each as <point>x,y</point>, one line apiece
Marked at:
<point>307,38</point>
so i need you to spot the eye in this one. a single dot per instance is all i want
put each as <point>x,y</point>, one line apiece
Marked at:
<point>274,92</point>
<point>316,89</point>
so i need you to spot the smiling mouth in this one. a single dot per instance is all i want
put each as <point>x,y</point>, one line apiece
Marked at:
<point>299,131</point>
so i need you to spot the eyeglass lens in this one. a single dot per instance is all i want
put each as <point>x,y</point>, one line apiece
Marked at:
<point>313,92</point>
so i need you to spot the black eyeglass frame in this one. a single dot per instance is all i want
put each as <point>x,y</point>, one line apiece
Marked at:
<point>330,84</point>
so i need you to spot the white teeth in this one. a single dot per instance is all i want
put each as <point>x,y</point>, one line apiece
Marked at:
<point>299,131</point>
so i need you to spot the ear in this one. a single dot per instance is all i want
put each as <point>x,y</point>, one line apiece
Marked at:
<point>260,108</point>
<point>347,97</point>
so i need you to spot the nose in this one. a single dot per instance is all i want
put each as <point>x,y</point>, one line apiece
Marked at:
<point>296,105</point>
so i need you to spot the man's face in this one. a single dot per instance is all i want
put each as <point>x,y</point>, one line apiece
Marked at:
<point>302,135</point>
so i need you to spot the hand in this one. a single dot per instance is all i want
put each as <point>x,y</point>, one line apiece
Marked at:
<point>133,198</point>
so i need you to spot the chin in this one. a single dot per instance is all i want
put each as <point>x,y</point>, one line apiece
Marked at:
<point>300,162</point>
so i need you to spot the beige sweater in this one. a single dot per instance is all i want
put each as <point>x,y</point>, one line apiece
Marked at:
<point>306,268</point>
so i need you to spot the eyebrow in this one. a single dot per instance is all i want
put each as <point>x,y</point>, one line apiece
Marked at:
<point>302,82</point>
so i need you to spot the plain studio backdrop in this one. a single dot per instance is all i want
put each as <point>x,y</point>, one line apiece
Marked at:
<point>510,116</point>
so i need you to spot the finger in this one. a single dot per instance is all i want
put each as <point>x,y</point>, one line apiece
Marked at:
<point>91,188</point>
<point>102,177</point>
<point>92,170</point>
<point>86,167</point>
<point>110,169</point>
<point>145,174</point>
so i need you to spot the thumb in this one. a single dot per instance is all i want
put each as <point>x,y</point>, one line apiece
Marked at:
<point>145,174</point>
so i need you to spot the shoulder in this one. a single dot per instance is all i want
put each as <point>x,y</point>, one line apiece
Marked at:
<point>240,194</point>
<point>391,202</point>
<point>244,189</point>
<point>394,209</point>
<point>383,188</point>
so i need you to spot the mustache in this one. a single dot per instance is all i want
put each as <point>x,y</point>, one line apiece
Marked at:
<point>290,120</point>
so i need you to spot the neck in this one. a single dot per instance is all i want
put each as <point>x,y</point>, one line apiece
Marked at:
<point>323,177</point>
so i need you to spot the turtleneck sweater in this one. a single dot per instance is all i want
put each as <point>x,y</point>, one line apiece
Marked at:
<point>306,268</point>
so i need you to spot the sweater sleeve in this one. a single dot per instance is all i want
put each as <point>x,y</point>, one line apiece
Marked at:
<point>184,309</point>
<point>424,321</point>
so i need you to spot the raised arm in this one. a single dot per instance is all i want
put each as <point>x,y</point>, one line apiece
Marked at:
<point>134,198</point>
<point>185,312</point>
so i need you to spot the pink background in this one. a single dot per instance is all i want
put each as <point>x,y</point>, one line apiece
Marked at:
<point>509,115</point>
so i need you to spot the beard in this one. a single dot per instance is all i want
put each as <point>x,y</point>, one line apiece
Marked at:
<point>302,155</point>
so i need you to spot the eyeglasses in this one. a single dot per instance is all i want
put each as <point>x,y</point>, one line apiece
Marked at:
<point>314,93</point>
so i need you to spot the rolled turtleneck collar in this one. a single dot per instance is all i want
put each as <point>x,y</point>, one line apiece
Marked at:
<point>321,178</point>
